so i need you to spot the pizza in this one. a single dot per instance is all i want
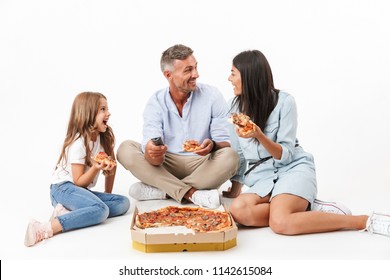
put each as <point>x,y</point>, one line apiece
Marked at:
<point>102,157</point>
<point>196,218</point>
<point>191,146</point>
<point>243,122</point>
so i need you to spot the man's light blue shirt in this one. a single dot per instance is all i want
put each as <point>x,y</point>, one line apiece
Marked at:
<point>204,116</point>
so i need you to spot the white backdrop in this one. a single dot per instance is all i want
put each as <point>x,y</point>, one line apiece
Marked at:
<point>333,56</point>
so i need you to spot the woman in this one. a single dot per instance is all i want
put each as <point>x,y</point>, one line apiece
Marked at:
<point>281,176</point>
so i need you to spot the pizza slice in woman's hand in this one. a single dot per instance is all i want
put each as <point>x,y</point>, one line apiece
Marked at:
<point>243,122</point>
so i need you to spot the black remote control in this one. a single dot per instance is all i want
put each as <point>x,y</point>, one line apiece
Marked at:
<point>157,141</point>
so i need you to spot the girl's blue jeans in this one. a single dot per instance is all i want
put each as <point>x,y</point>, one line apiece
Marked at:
<point>87,207</point>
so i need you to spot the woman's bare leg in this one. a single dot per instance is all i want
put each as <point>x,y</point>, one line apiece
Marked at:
<point>288,216</point>
<point>251,210</point>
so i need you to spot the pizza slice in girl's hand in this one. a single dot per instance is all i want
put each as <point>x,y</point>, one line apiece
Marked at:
<point>191,146</point>
<point>102,157</point>
<point>243,122</point>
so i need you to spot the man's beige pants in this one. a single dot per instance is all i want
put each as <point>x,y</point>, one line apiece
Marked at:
<point>179,173</point>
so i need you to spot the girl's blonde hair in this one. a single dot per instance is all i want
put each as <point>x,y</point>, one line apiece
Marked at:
<point>82,124</point>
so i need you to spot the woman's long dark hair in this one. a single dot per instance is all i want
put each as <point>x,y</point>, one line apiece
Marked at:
<point>259,96</point>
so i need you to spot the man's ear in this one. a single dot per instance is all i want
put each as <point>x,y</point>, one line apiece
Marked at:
<point>167,74</point>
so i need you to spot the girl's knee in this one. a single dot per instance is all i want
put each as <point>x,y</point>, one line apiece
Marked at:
<point>102,212</point>
<point>124,205</point>
<point>121,207</point>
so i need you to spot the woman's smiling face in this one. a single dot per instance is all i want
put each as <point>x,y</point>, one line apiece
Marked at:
<point>235,79</point>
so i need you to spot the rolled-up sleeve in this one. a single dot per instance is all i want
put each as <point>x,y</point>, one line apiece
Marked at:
<point>153,124</point>
<point>287,132</point>
<point>235,143</point>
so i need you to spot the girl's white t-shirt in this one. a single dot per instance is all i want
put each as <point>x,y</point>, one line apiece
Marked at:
<point>76,153</point>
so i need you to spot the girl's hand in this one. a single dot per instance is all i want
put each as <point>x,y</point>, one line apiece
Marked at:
<point>105,165</point>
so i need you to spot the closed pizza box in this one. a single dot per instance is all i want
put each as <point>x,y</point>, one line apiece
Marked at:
<point>177,239</point>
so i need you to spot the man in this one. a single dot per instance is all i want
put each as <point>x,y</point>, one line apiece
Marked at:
<point>183,111</point>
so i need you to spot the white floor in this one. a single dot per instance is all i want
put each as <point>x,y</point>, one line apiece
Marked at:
<point>110,242</point>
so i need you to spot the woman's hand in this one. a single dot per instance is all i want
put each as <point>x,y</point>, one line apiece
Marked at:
<point>252,134</point>
<point>273,148</point>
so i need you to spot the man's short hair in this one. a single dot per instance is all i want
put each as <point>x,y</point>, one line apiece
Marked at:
<point>171,54</point>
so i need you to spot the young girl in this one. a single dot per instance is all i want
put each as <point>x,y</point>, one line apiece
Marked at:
<point>281,176</point>
<point>76,205</point>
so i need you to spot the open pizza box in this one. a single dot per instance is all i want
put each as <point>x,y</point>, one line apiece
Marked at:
<point>179,239</point>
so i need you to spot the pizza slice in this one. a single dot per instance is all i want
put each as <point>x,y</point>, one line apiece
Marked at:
<point>102,157</point>
<point>243,122</point>
<point>191,146</point>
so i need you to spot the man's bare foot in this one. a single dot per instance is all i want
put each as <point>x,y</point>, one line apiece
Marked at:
<point>189,194</point>
<point>233,191</point>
